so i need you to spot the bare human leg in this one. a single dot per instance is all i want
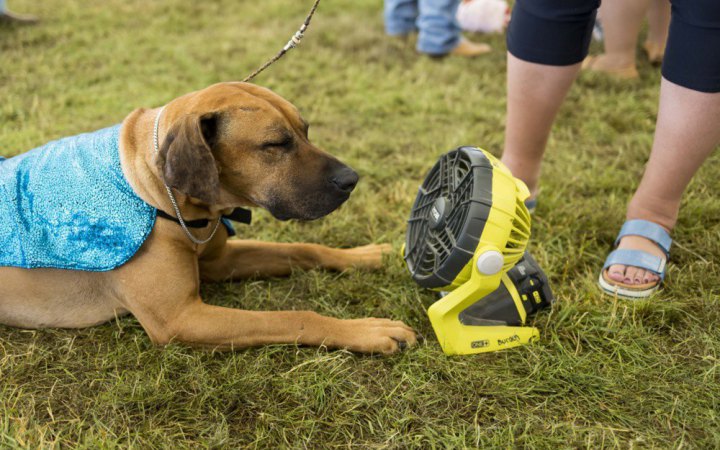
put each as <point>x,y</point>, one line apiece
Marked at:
<point>686,133</point>
<point>658,17</point>
<point>621,22</point>
<point>535,93</point>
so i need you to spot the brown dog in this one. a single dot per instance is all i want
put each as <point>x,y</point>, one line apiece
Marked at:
<point>227,146</point>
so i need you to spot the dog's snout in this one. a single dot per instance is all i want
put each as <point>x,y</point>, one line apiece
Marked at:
<point>345,179</point>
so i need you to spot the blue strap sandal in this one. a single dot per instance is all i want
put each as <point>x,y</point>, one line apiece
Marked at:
<point>531,205</point>
<point>637,258</point>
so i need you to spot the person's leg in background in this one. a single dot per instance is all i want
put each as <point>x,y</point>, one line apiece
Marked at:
<point>440,32</point>
<point>10,17</point>
<point>658,18</point>
<point>547,41</point>
<point>687,129</point>
<point>400,17</point>
<point>621,22</point>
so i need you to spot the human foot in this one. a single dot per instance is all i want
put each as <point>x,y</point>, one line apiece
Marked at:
<point>655,52</point>
<point>610,65</point>
<point>470,49</point>
<point>532,201</point>
<point>637,266</point>
<point>531,204</point>
<point>9,17</point>
<point>634,275</point>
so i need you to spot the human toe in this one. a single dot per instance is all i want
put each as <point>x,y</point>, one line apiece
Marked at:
<point>616,272</point>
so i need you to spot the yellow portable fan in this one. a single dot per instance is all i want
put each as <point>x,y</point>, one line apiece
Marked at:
<point>466,237</point>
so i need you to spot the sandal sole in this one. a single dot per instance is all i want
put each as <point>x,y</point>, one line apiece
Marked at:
<point>624,292</point>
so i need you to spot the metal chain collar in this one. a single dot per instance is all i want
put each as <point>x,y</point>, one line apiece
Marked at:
<point>172,196</point>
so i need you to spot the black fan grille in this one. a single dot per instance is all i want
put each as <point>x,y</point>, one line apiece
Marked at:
<point>436,256</point>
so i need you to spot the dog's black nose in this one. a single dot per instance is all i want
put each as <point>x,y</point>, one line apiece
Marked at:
<point>345,179</point>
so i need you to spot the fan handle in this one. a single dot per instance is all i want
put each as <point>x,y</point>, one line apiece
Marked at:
<point>458,339</point>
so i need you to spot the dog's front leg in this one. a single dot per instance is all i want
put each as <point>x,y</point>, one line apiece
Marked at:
<point>198,324</point>
<point>238,259</point>
<point>160,287</point>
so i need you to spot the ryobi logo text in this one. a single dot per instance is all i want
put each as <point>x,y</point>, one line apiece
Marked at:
<point>435,213</point>
<point>509,340</point>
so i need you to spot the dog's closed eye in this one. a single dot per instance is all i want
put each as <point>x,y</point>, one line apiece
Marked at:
<point>283,142</point>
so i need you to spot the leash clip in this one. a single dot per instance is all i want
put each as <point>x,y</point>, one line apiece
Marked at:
<point>292,43</point>
<point>295,40</point>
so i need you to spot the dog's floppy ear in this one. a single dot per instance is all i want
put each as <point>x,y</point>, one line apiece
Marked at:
<point>186,160</point>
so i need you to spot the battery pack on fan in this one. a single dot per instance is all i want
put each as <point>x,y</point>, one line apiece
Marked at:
<point>467,237</point>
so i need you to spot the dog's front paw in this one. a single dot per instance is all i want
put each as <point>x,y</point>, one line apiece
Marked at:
<point>378,336</point>
<point>365,257</point>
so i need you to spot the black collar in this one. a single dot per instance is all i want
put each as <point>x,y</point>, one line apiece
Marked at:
<point>240,215</point>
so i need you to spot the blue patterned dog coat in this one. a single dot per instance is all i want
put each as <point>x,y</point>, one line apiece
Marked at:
<point>67,205</point>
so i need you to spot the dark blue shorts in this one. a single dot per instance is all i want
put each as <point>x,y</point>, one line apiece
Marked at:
<point>557,33</point>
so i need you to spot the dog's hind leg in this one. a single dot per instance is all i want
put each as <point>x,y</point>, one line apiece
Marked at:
<point>239,259</point>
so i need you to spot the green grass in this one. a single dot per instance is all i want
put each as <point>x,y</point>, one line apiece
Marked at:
<point>605,373</point>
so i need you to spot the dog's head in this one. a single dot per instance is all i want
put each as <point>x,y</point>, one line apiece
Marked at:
<point>239,144</point>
